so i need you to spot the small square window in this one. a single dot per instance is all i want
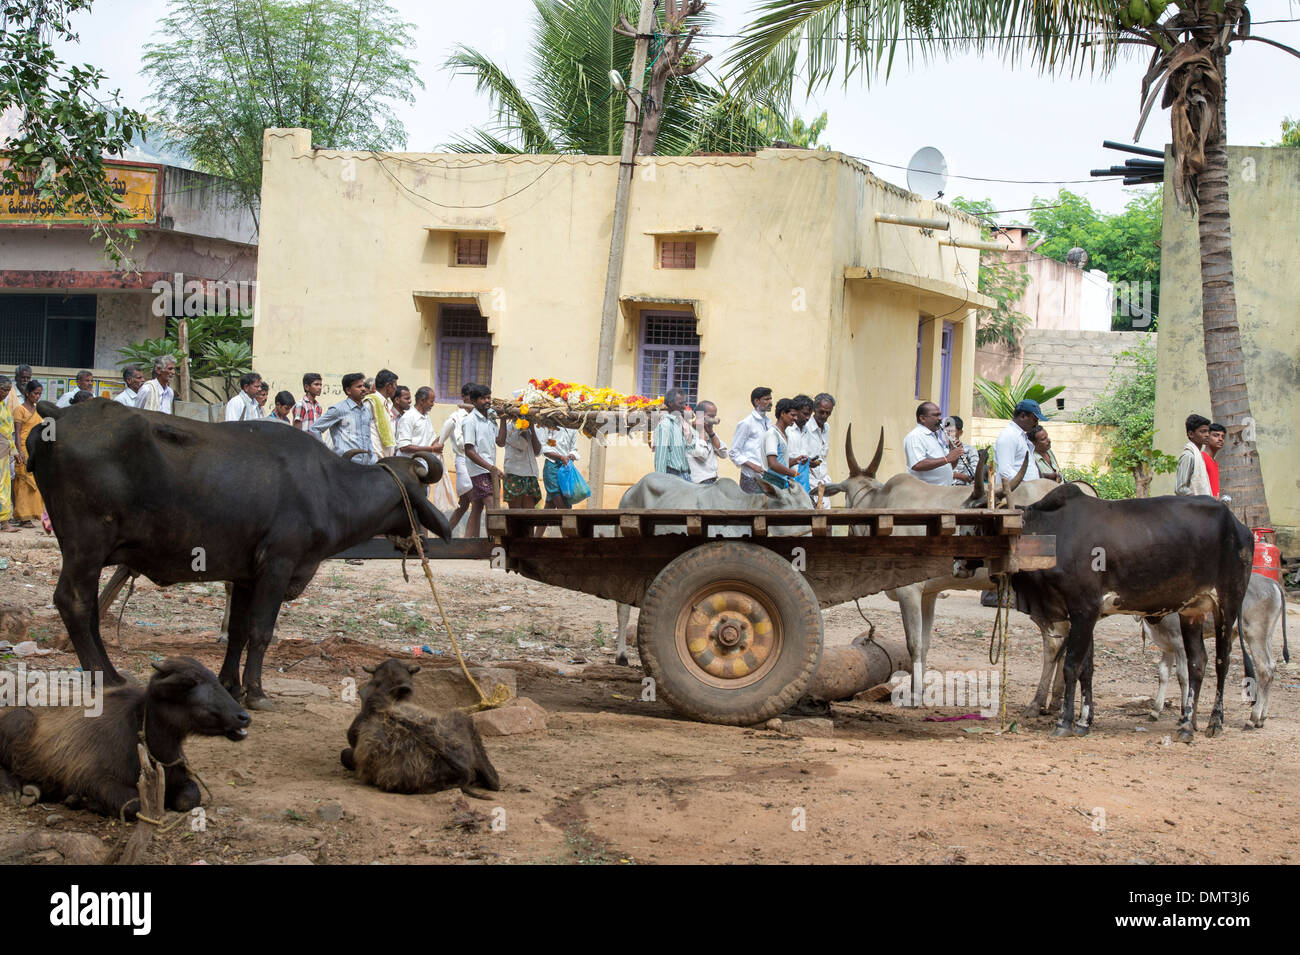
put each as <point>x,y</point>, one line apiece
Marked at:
<point>471,250</point>
<point>677,255</point>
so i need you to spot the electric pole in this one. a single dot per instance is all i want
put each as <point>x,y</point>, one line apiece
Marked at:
<point>618,236</point>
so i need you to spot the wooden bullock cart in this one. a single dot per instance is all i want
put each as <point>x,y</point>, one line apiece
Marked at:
<point>730,628</point>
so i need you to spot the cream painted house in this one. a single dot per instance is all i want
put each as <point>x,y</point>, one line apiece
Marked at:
<point>1264,198</point>
<point>740,270</point>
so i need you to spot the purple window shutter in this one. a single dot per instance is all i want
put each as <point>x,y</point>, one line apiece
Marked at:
<point>670,355</point>
<point>947,366</point>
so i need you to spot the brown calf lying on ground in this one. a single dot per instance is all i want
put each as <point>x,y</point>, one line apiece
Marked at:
<point>92,761</point>
<point>398,747</point>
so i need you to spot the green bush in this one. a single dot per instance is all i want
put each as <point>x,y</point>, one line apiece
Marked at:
<point>1113,485</point>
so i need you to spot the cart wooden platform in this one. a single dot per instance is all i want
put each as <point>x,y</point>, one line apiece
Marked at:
<point>730,627</point>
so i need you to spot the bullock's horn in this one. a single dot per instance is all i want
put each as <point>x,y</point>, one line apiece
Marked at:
<point>347,455</point>
<point>432,467</point>
<point>880,450</point>
<point>1013,483</point>
<point>977,491</point>
<point>854,470</point>
<point>371,668</point>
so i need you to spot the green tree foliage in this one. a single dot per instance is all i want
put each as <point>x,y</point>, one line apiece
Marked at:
<point>56,160</point>
<point>1129,405</point>
<point>1290,132</point>
<point>230,68</point>
<point>1112,484</point>
<point>221,346</point>
<point>571,106</point>
<point>1001,397</point>
<point>1125,245</point>
<point>1000,280</point>
<point>796,132</point>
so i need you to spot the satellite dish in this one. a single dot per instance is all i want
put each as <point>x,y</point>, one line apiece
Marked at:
<point>927,173</point>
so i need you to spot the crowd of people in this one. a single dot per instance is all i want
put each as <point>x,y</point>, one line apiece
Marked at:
<point>379,417</point>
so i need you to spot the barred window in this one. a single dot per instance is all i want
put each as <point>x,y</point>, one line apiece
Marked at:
<point>677,255</point>
<point>471,250</point>
<point>669,354</point>
<point>464,350</point>
<point>53,330</point>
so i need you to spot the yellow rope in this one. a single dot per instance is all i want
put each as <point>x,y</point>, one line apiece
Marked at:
<point>998,643</point>
<point>501,695</point>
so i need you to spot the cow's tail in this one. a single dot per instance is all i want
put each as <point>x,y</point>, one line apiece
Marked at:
<point>1286,652</point>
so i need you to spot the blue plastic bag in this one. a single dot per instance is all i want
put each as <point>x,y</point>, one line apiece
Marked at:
<point>572,485</point>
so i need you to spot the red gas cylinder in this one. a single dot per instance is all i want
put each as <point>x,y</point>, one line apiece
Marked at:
<point>1268,559</point>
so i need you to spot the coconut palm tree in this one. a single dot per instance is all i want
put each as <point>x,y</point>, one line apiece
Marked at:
<point>571,105</point>
<point>1188,42</point>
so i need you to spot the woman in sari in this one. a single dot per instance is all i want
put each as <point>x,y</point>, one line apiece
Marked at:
<point>8,444</point>
<point>27,499</point>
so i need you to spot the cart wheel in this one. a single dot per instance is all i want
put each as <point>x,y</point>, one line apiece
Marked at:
<point>731,633</point>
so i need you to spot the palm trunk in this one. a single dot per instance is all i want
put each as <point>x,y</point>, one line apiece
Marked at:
<point>1239,468</point>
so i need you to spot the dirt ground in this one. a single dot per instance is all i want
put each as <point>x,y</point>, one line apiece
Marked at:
<point>617,780</point>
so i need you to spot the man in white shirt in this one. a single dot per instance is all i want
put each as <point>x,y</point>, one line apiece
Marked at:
<point>156,394</point>
<point>747,443</point>
<point>243,407</point>
<point>133,378</point>
<point>1013,445</point>
<point>703,455</point>
<point>451,432</point>
<point>817,443</point>
<point>1193,476</point>
<point>381,402</point>
<point>85,382</point>
<point>414,429</point>
<point>479,436</point>
<point>929,458</point>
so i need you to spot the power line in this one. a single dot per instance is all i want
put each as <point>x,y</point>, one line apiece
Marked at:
<point>975,36</point>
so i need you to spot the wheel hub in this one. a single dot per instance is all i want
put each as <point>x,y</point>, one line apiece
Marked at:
<point>729,636</point>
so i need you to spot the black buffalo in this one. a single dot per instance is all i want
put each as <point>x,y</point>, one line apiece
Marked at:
<point>1147,558</point>
<point>253,503</point>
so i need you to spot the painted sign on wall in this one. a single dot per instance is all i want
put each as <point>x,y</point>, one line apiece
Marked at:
<point>134,184</point>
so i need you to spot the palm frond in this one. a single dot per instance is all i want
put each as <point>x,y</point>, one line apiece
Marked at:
<point>513,112</point>
<point>820,39</point>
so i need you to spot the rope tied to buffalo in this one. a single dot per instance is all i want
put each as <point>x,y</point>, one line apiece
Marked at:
<point>998,638</point>
<point>501,695</point>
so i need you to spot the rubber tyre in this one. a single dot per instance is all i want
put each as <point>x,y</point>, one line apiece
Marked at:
<point>794,604</point>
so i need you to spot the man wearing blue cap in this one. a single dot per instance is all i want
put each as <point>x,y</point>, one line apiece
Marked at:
<point>1013,444</point>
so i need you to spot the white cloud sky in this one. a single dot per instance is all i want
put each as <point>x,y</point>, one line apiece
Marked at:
<point>988,120</point>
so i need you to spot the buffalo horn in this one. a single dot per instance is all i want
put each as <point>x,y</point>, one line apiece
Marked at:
<point>430,462</point>
<point>854,470</point>
<point>371,668</point>
<point>880,450</point>
<point>348,455</point>
<point>1013,483</point>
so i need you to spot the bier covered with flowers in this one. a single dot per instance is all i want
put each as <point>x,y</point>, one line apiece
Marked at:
<point>553,403</point>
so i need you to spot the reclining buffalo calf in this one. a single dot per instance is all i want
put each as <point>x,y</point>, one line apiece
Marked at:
<point>95,763</point>
<point>251,503</point>
<point>396,746</point>
<point>1147,558</point>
